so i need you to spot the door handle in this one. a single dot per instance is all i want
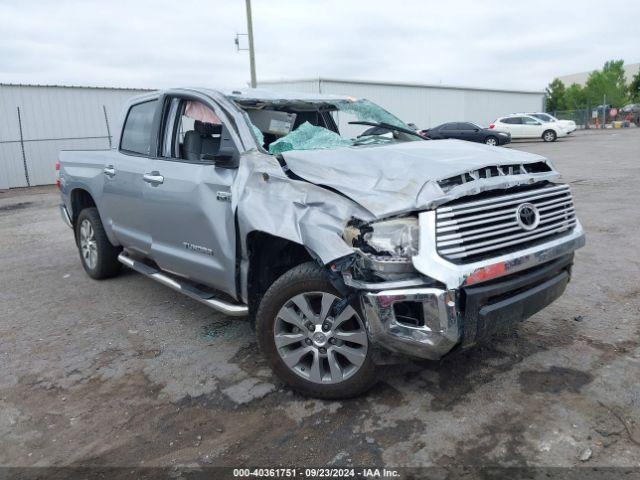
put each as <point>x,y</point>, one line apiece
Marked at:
<point>153,177</point>
<point>109,171</point>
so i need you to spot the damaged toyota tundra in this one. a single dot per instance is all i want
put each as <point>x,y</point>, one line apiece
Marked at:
<point>346,238</point>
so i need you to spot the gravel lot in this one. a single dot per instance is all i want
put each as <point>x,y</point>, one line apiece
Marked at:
<point>128,372</point>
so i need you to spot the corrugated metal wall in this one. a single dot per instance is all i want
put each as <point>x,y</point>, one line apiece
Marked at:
<point>425,105</point>
<point>52,118</point>
<point>55,118</point>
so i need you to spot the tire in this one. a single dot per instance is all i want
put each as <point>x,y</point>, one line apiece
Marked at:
<point>98,256</point>
<point>491,141</point>
<point>549,136</point>
<point>336,376</point>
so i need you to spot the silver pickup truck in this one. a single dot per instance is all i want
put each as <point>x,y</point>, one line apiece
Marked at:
<point>344,236</point>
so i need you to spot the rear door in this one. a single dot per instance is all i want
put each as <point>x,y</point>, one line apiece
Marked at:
<point>190,217</point>
<point>513,126</point>
<point>449,130</point>
<point>123,201</point>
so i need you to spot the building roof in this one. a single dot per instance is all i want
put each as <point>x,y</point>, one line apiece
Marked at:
<point>2,84</point>
<point>271,95</point>
<point>397,84</point>
<point>580,78</point>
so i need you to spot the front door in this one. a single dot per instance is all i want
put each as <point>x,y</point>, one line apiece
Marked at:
<point>531,127</point>
<point>191,221</point>
<point>123,203</point>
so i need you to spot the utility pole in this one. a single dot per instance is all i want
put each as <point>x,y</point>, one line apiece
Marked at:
<point>252,58</point>
<point>604,108</point>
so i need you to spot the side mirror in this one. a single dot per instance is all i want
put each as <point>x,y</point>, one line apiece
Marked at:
<point>476,129</point>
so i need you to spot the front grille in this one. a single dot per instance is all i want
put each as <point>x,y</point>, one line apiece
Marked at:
<point>489,227</point>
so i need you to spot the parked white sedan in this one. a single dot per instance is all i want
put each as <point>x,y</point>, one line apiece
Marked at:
<point>527,126</point>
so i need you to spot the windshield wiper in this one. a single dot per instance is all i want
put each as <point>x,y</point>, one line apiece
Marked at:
<point>388,126</point>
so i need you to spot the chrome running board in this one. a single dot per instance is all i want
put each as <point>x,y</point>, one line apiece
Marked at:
<point>208,298</point>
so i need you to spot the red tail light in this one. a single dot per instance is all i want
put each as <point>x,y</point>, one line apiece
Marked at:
<point>491,126</point>
<point>58,174</point>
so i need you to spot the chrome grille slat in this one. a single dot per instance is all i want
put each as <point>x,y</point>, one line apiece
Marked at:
<point>511,223</point>
<point>504,197</point>
<point>470,219</point>
<point>508,237</point>
<point>491,206</point>
<point>498,228</point>
<point>491,224</point>
<point>515,228</point>
<point>568,226</point>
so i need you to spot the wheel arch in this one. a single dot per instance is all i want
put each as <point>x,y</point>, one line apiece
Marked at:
<point>268,257</point>
<point>80,199</point>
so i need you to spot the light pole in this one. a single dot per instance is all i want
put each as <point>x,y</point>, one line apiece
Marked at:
<point>252,59</point>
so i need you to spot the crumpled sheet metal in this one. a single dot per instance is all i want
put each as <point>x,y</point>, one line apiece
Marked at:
<point>401,177</point>
<point>267,200</point>
<point>308,137</point>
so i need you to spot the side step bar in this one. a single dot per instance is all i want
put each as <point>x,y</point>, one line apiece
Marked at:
<point>209,299</point>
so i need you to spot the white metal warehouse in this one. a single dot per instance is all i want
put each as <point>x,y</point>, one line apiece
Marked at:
<point>425,105</point>
<point>36,121</point>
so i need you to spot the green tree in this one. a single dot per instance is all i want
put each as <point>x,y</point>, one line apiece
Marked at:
<point>634,88</point>
<point>610,82</point>
<point>555,96</point>
<point>575,97</point>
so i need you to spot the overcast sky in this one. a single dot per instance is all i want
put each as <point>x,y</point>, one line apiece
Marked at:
<point>502,44</point>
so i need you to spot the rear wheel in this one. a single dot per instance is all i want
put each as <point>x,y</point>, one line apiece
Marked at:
<point>549,136</point>
<point>99,257</point>
<point>492,141</point>
<point>310,346</point>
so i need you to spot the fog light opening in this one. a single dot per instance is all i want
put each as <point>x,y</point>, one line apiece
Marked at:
<point>410,314</point>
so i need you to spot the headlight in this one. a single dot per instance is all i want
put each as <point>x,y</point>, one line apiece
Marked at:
<point>398,237</point>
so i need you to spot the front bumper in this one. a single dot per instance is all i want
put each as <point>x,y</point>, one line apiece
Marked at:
<point>464,316</point>
<point>474,300</point>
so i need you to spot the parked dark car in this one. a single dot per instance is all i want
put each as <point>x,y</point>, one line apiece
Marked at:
<point>467,131</point>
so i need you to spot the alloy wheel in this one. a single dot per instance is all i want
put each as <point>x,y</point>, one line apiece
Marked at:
<point>88,244</point>
<point>318,344</point>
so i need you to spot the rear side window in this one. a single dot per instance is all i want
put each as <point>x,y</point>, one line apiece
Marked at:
<point>136,133</point>
<point>512,120</point>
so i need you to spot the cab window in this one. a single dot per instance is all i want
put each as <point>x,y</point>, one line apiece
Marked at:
<point>192,130</point>
<point>136,133</point>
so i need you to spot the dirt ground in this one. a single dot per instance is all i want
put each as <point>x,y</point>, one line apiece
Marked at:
<point>127,372</point>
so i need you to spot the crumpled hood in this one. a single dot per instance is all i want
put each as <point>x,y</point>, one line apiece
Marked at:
<point>390,179</point>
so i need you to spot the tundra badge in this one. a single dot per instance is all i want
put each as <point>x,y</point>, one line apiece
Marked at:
<point>198,248</point>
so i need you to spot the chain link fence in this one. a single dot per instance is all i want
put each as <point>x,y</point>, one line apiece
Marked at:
<point>593,117</point>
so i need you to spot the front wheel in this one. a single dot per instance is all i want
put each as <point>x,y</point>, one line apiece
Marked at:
<point>549,136</point>
<point>99,257</point>
<point>313,343</point>
<point>491,141</point>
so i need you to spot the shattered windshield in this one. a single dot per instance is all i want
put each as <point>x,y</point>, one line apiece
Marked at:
<point>280,126</point>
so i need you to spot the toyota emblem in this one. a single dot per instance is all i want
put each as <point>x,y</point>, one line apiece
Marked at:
<point>527,216</point>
